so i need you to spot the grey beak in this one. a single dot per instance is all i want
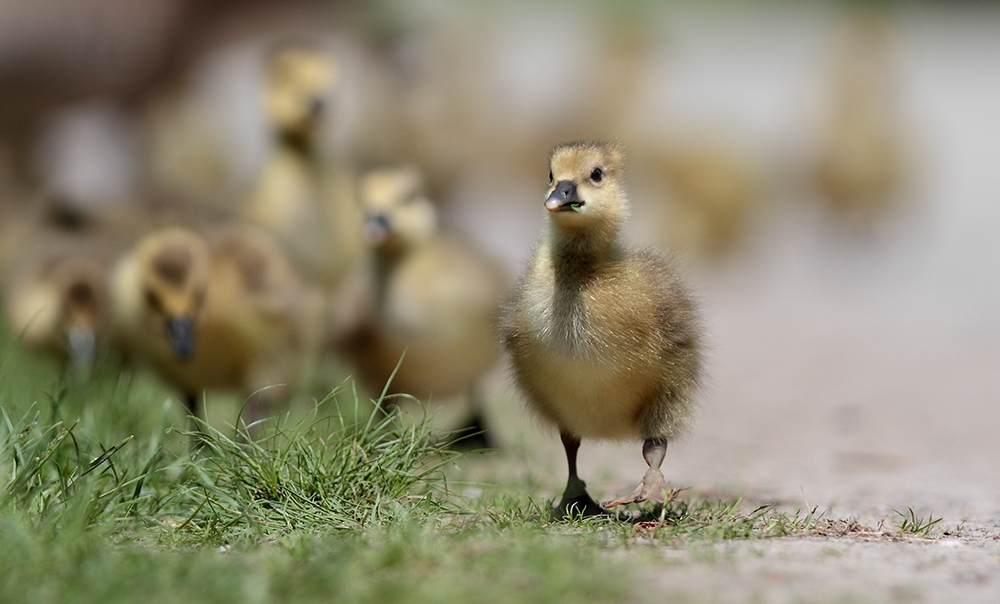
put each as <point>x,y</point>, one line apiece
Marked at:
<point>564,198</point>
<point>316,107</point>
<point>82,347</point>
<point>377,228</point>
<point>180,334</point>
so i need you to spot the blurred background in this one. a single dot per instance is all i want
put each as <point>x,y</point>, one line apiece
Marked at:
<point>827,171</point>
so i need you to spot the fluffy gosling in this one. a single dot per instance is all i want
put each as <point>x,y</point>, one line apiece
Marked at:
<point>424,293</point>
<point>302,198</point>
<point>863,161</point>
<point>604,340</point>
<point>58,305</point>
<point>221,316</point>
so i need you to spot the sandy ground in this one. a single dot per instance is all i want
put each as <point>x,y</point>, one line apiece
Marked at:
<point>857,374</point>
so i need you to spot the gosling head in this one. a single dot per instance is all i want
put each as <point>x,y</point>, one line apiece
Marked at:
<point>174,276</point>
<point>586,193</point>
<point>83,307</point>
<point>298,84</point>
<point>397,213</point>
<point>62,306</point>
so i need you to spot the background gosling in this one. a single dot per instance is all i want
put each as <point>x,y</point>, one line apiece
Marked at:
<point>423,292</point>
<point>229,315</point>
<point>863,162</point>
<point>58,304</point>
<point>604,341</point>
<point>302,197</point>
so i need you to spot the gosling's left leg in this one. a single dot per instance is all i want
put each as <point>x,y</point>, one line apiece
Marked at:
<point>652,484</point>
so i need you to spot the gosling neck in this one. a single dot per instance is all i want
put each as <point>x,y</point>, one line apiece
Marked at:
<point>582,247</point>
<point>300,142</point>
<point>577,257</point>
<point>385,259</point>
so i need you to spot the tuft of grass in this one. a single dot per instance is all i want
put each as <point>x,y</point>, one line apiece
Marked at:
<point>317,474</point>
<point>56,478</point>
<point>916,525</point>
<point>102,500</point>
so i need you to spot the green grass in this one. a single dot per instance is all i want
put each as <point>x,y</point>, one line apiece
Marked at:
<point>912,524</point>
<point>103,499</point>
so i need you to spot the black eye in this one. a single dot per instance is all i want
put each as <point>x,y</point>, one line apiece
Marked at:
<point>597,175</point>
<point>550,177</point>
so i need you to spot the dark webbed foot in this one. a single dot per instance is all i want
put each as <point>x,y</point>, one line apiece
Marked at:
<point>577,502</point>
<point>472,437</point>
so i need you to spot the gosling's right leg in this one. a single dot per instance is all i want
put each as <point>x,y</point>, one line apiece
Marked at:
<point>575,499</point>
<point>473,436</point>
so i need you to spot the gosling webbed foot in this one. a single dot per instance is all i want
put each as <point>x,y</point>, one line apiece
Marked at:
<point>576,502</point>
<point>651,487</point>
<point>472,437</point>
<point>575,507</point>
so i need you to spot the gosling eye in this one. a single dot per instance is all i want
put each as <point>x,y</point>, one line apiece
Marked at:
<point>551,179</point>
<point>597,175</point>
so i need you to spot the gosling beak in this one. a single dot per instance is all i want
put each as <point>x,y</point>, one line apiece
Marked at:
<point>564,198</point>
<point>180,333</point>
<point>316,108</point>
<point>377,229</point>
<point>82,347</point>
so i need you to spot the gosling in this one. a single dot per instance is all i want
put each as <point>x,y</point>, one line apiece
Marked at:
<point>208,315</point>
<point>301,197</point>
<point>58,305</point>
<point>605,342</point>
<point>425,293</point>
<point>863,162</point>
<point>54,282</point>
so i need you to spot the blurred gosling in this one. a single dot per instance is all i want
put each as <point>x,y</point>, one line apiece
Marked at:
<point>604,341</point>
<point>716,192</point>
<point>229,313</point>
<point>423,292</point>
<point>53,274</point>
<point>303,199</point>
<point>862,163</point>
<point>58,304</point>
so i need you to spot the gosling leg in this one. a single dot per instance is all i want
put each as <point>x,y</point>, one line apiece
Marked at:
<point>652,484</point>
<point>193,408</point>
<point>473,436</point>
<point>575,499</point>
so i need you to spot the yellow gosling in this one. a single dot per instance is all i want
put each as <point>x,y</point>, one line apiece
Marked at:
<point>59,305</point>
<point>604,340</point>
<point>226,314</point>
<point>302,198</point>
<point>423,292</point>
